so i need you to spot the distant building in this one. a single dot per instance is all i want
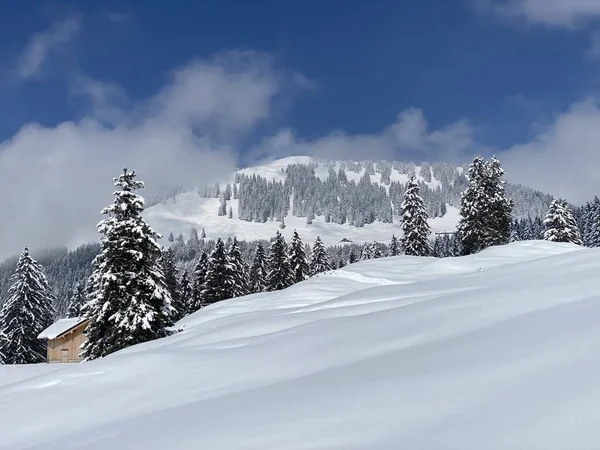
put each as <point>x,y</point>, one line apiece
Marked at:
<point>64,340</point>
<point>345,240</point>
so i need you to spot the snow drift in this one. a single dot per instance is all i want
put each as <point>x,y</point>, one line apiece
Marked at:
<point>494,351</point>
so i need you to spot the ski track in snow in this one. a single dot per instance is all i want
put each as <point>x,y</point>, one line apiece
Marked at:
<point>495,351</point>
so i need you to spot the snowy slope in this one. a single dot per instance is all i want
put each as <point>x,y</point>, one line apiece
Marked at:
<point>189,210</point>
<point>494,351</point>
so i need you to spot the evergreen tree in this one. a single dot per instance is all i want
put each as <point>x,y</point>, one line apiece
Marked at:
<point>129,302</point>
<point>171,238</point>
<point>279,273</point>
<point>366,252</point>
<point>319,259</point>
<point>216,281</point>
<point>198,284</point>
<point>351,257</point>
<point>258,270</point>
<point>394,246</point>
<point>298,260</point>
<point>167,262</point>
<point>376,251</point>
<point>237,271</point>
<point>193,240</point>
<point>203,234</point>
<point>485,211</point>
<point>26,313</point>
<point>415,239</point>
<point>77,301</point>
<point>185,294</point>
<point>560,225</point>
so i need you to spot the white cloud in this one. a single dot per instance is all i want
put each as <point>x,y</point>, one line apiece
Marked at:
<point>561,13</point>
<point>42,44</point>
<point>56,179</point>
<point>408,138</point>
<point>563,159</point>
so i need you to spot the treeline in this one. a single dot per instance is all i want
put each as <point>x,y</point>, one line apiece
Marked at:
<point>358,193</point>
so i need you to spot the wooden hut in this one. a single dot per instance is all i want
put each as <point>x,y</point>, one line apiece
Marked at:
<point>64,340</point>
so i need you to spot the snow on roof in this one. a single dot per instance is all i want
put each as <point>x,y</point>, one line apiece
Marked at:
<point>59,327</point>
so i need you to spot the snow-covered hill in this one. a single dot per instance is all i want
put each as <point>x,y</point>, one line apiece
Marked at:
<point>497,350</point>
<point>190,210</point>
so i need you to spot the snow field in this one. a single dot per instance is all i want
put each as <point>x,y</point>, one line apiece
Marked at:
<point>496,350</point>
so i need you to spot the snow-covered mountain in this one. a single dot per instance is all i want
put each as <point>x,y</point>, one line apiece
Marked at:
<point>344,207</point>
<point>496,350</point>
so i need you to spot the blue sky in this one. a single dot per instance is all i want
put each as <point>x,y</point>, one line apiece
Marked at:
<point>185,92</point>
<point>368,60</point>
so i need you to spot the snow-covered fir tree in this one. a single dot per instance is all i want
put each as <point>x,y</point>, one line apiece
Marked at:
<point>560,224</point>
<point>351,257</point>
<point>394,246</point>
<point>185,294</point>
<point>485,210</point>
<point>129,302</point>
<point>237,283</point>
<point>167,262</point>
<point>193,240</point>
<point>279,273</point>
<point>26,313</point>
<point>415,229</point>
<point>319,259</point>
<point>298,260</point>
<point>365,253</point>
<point>376,251</point>
<point>77,301</point>
<point>216,281</point>
<point>258,270</point>
<point>200,268</point>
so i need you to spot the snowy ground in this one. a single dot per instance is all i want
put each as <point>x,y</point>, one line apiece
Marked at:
<point>498,350</point>
<point>189,210</point>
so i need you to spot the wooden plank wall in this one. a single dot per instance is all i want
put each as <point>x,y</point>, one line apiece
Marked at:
<point>71,342</point>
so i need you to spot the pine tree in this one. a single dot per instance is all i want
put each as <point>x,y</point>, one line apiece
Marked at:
<point>171,238</point>
<point>26,313</point>
<point>485,211</point>
<point>560,225</point>
<point>376,251</point>
<point>298,260</point>
<point>77,301</point>
<point>198,284</point>
<point>415,239</point>
<point>216,281</point>
<point>279,273</point>
<point>129,302</point>
<point>394,246</point>
<point>258,271</point>
<point>366,252</point>
<point>203,234</point>
<point>319,259</point>
<point>167,262</point>
<point>193,241</point>
<point>237,271</point>
<point>500,207</point>
<point>351,257</point>
<point>230,213</point>
<point>185,295</point>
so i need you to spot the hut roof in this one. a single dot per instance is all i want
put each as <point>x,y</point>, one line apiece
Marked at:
<point>60,327</point>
